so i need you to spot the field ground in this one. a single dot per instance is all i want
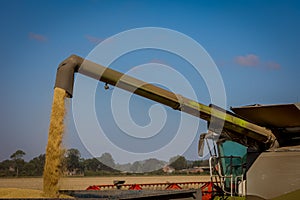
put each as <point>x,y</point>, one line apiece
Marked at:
<point>81,183</point>
<point>8,193</point>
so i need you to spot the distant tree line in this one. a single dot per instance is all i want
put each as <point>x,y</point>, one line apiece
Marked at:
<point>16,166</point>
<point>74,164</point>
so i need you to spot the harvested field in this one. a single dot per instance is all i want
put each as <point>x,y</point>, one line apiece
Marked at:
<point>81,183</point>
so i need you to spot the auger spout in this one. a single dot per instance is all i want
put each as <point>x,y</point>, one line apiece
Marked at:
<point>65,73</point>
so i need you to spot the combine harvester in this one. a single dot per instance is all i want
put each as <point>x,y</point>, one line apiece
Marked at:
<point>257,153</point>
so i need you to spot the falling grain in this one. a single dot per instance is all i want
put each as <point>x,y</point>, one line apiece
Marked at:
<point>54,150</point>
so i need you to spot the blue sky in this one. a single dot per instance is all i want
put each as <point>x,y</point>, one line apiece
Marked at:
<point>255,45</point>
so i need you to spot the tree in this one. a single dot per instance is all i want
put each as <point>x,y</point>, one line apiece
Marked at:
<point>6,168</point>
<point>17,157</point>
<point>91,164</point>
<point>136,167</point>
<point>200,163</point>
<point>28,169</point>
<point>72,160</point>
<point>38,165</point>
<point>152,164</point>
<point>179,163</point>
<point>107,160</point>
<point>123,167</point>
<point>173,159</point>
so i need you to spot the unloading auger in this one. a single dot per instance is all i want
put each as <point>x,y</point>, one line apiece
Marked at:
<point>233,127</point>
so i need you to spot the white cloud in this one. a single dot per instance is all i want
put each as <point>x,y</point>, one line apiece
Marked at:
<point>249,60</point>
<point>273,65</point>
<point>93,39</point>
<point>37,37</point>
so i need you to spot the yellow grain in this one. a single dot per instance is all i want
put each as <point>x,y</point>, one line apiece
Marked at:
<point>54,150</point>
<point>8,193</point>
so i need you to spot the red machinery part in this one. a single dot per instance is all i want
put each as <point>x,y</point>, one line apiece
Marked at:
<point>207,190</point>
<point>93,187</point>
<point>173,186</point>
<point>135,187</point>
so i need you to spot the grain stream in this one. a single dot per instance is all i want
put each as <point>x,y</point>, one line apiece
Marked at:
<point>54,150</point>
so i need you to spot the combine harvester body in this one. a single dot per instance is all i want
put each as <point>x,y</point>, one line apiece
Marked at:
<point>258,147</point>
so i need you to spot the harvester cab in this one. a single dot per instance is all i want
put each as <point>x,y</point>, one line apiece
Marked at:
<point>238,168</point>
<point>227,164</point>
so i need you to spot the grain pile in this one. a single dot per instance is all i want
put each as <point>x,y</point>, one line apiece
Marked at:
<point>54,150</point>
<point>7,193</point>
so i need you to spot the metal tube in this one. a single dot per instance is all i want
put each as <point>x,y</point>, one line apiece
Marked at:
<point>129,83</point>
<point>73,64</point>
<point>65,73</point>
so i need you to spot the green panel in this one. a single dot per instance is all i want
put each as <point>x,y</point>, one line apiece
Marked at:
<point>232,165</point>
<point>233,157</point>
<point>233,149</point>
